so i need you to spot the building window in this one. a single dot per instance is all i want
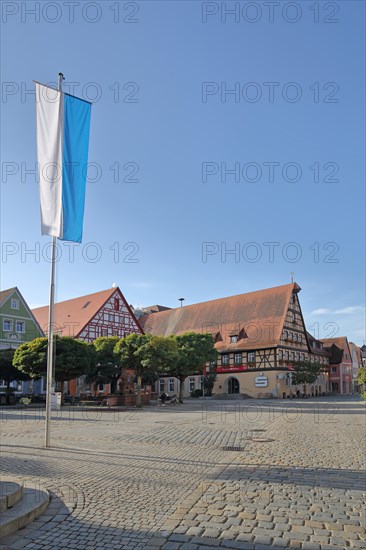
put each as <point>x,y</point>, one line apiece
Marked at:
<point>20,327</point>
<point>14,303</point>
<point>100,387</point>
<point>279,354</point>
<point>171,384</point>
<point>161,385</point>
<point>7,325</point>
<point>225,359</point>
<point>302,357</point>
<point>238,359</point>
<point>295,337</point>
<point>104,332</point>
<point>251,356</point>
<point>191,384</point>
<point>293,299</point>
<point>334,370</point>
<point>116,304</point>
<point>233,339</point>
<point>285,335</point>
<point>213,364</point>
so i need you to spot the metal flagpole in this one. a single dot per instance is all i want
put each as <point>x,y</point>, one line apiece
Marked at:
<point>50,370</point>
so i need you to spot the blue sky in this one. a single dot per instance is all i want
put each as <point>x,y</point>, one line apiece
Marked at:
<point>164,118</point>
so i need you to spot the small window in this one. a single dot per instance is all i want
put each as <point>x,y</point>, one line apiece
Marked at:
<point>7,325</point>
<point>104,332</point>
<point>171,384</point>
<point>233,339</point>
<point>213,364</point>
<point>280,354</point>
<point>334,370</point>
<point>20,327</point>
<point>116,304</point>
<point>225,359</point>
<point>100,387</point>
<point>302,357</point>
<point>14,303</point>
<point>285,335</point>
<point>192,384</point>
<point>251,356</point>
<point>295,337</point>
<point>293,299</point>
<point>238,358</point>
<point>161,385</point>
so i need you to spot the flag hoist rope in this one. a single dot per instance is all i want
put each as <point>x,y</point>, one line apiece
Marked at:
<point>50,349</point>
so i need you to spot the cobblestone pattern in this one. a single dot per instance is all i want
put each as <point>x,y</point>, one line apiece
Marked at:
<point>160,479</point>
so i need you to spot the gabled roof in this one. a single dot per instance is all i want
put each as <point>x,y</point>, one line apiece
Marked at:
<point>261,314</point>
<point>4,294</point>
<point>357,350</point>
<point>341,342</point>
<point>76,313</point>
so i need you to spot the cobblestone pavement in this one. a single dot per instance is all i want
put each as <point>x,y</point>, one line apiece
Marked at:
<point>210,474</point>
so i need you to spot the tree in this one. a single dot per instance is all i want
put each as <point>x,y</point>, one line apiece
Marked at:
<point>73,358</point>
<point>209,381</point>
<point>194,350</point>
<point>129,354</point>
<point>8,372</point>
<point>361,378</point>
<point>158,355</point>
<point>106,368</point>
<point>305,372</point>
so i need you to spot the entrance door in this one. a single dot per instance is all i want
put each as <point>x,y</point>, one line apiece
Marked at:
<point>233,386</point>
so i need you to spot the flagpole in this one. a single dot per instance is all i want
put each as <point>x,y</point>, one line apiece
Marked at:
<point>50,368</point>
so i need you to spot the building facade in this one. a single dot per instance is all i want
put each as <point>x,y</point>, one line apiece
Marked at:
<point>340,365</point>
<point>259,337</point>
<point>17,325</point>
<point>86,318</point>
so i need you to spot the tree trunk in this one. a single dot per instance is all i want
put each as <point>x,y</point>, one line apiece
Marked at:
<point>62,384</point>
<point>181,381</point>
<point>138,396</point>
<point>7,397</point>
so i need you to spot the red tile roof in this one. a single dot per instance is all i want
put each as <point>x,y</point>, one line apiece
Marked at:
<point>260,315</point>
<point>341,342</point>
<point>76,312</point>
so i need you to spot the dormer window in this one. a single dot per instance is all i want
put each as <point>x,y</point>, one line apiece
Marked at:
<point>233,339</point>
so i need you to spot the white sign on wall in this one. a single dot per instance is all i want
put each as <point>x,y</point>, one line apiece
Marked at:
<point>261,381</point>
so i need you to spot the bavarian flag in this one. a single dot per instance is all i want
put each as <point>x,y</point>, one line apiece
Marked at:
<point>63,123</point>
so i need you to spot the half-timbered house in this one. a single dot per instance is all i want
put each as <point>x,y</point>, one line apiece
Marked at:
<point>104,313</point>
<point>259,337</point>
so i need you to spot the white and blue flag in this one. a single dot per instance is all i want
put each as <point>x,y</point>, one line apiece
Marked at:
<point>63,123</point>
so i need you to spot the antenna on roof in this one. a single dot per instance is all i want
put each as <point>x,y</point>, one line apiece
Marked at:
<point>292,273</point>
<point>181,300</point>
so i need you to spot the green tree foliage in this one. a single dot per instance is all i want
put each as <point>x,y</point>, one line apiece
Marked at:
<point>194,351</point>
<point>129,355</point>
<point>73,358</point>
<point>361,375</point>
<point>106,366</point>
<point>158,355</point>
<point>7,371</point>
<point>305,372</point>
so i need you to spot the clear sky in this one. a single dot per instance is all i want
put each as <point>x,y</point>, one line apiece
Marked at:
<point>163,210</point>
